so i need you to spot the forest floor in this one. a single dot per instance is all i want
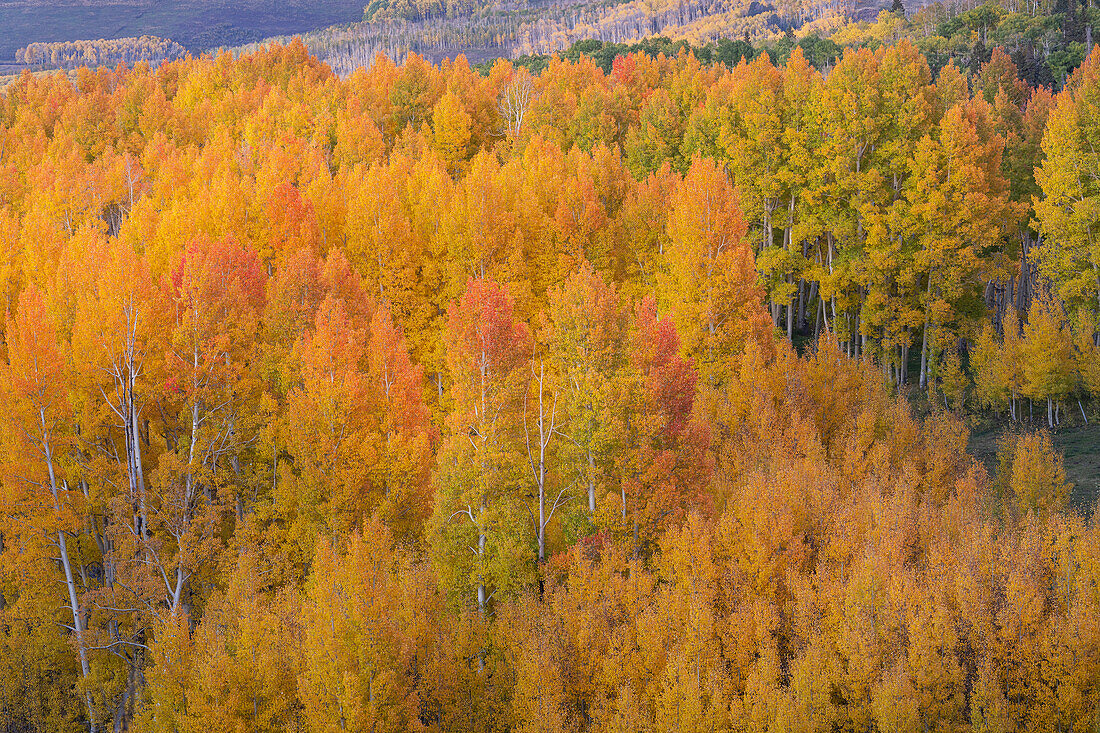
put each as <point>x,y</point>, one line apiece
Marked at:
<point>1080,444</point>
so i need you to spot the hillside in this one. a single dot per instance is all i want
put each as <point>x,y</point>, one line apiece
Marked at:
<point>195,24</point>
<point>516,28</point>
<point>1046,39</point>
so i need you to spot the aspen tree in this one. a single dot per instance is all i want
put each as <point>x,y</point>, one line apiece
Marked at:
<point>1067,211</point>
<point>1048,355</point>
<point>40,421</point>
<point>480,458</point>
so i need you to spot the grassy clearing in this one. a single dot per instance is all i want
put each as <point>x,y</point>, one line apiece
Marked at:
<point>1080,445</point>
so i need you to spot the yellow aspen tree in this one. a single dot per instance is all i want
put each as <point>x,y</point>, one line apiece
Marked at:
<point>1038,480</point>
<point>451,133</point>
<point>990,381</point>
<point>1087,352</point>
<point>1011,361</point>
<point>380,241</point>
<point>895,703</point>
<point>587,325</point>
<point>1069,651</point>
<point>170,684</point>
<point>356,671</point>
<point>988,707</point>
<point>247,649</point>
<point>1048,355</point>
<point>694,693</point>
<point>709,282</point>
<point>1067,212</point>
<point>937,677</point>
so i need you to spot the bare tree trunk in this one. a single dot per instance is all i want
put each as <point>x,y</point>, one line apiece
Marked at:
<point>481,599</point>
<point>818,313</point>
<point>924,340</point>
<point>790,317</point>
<point>924,356</point>
<point>537,457</point>
<point>853,332</point>
<point>591,482</point>
<point>801,322</point>
<point>905,359</point>
<point>66,565</point>
<point>134,447</point>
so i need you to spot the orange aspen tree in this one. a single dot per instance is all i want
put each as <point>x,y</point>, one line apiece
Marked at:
<point>40,431</point>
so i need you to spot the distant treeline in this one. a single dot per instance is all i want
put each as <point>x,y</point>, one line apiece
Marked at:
<point>1046,40</point>
<point>1044,48</point>
<point>417,9</point>
<point>484,31</point>
<point>821,52</point>
<point>100,52</point>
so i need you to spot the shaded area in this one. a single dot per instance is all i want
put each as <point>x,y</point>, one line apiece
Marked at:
<point>195,25</point>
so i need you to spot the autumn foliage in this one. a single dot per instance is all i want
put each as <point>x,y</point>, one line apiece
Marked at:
<point>349,404</point>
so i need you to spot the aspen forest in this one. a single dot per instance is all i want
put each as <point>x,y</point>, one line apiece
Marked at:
<point>565,399</point>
